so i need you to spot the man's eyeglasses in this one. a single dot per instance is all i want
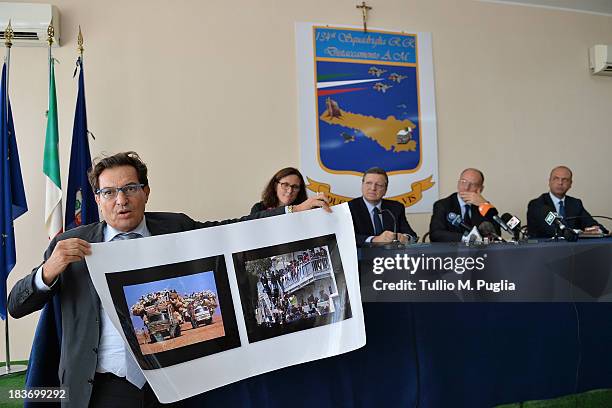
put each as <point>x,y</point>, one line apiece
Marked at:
<point>468,184</point>
<point>290,187</point>
<point>376,186</point>
<point>110,193</point>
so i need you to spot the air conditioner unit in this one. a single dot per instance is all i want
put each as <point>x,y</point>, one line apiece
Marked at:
<point>30,22</point>
<point>600,60</point>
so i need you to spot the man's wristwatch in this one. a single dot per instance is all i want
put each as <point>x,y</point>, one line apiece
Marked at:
<point>289,209</point>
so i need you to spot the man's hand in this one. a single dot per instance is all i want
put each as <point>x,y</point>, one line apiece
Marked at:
<point>64,253</point>
<point>472,197</point>
<point>593,230</point>
<point>317,201</point>
<point>388,236</point>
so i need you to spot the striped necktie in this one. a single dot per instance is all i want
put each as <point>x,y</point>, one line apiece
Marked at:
<point>126,235</point>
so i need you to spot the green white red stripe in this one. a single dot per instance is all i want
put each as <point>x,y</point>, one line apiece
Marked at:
<point>53,192</point>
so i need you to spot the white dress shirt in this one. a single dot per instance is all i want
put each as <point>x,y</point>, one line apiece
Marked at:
<point>556,200</point>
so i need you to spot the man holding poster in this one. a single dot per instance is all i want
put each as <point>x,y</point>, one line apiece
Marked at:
<point>94,364</point>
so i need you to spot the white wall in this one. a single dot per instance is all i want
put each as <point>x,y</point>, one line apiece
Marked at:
<point>206,92</point>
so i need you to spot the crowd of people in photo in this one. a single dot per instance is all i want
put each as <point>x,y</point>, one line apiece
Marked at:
<point>298,270</point>
<point>278,287</point>
<point>283,309</point>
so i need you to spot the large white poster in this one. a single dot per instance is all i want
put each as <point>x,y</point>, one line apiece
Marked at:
<point>209,307</point>
<point>366,99</point>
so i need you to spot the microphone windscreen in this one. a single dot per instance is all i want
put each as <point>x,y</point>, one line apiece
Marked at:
<point>487,210</point>
<point>506,217</point>
<point>487,229</point>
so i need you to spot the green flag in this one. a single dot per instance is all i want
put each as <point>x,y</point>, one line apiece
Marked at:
<point>53,193</point>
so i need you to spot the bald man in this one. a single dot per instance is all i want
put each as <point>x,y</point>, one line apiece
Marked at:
<point>464,202</point>
<point>556,200</point>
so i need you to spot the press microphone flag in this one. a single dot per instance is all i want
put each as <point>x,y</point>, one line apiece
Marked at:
<point>489,211</point>
<point>456,221</point>
<point>567,233</point>
<point>513,223</point>
<point>473,237</point>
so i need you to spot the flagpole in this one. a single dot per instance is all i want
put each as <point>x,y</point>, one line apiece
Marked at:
<point>80,47</point>
<point>8,35</point>
<point>50,34</point>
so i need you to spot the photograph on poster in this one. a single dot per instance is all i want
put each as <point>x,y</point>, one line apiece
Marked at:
<point>177,312</point>
<point>291,287</point>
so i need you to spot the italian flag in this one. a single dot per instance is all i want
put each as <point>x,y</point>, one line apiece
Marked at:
<point>53,193</point>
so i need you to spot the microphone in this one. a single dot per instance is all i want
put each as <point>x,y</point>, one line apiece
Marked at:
<point>395,244</point>
<point>377,212</point>
<point>567,233</point>
<point>488,210</point>
<point>513,223</point>
<point>472,238</point>
<point>456,221</point>
<point>487,230</point>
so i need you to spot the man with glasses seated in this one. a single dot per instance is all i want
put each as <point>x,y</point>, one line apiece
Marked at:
<point>371,219</point>
<point>464,202</point>
<point>94,364</point>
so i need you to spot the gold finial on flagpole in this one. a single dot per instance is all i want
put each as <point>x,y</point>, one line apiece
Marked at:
<point>364,14</point>
<point>8,35</point>
<point>80,42</point>
<point>50,33</point>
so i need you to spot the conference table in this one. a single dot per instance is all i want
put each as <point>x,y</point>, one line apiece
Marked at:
<point>463,353</point>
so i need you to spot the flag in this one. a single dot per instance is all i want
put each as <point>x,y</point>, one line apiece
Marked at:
<point>12,193</point>
<point>53,192</point>
<point>81,208</point>
<point>44,356</point>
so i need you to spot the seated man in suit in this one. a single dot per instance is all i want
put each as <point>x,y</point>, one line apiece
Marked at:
<point>464,202</point>
<point>371,220</point>
<point>94,364</point>
<point>556,200</point>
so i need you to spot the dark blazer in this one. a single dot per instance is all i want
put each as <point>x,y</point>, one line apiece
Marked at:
<point>80,304</point>
<point>440,230</point>
<point>258,207</point>
<point>539,207</point>
<point>362,221</point>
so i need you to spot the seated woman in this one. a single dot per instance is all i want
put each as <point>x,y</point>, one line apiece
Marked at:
<point>286,187</point>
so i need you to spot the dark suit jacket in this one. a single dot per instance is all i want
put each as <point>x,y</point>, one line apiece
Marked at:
<point>539,207</point>
<point>257,207</point>
<point>362,221</point>
<point>440,230</point>
<point>80,305</point>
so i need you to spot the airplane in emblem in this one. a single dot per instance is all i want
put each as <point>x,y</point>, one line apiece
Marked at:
<point>380,87</point>
<point>377,72</point>
<point>347,137</point>
<point>397,77</point>
<point>402,106</point>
